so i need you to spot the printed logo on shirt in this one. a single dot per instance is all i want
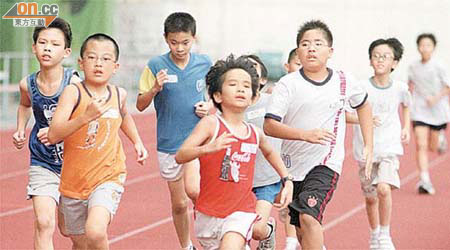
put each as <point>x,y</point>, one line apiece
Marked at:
<point>49,110</point>
<point>312,201</point>
<point>172,78</point>
<point>256,113</point>
<point>287,160</point>
<point>338,105</point>
<point>249,148</point>
<point>201,84</point>
<point>245,157</point>
<point>111,113</point>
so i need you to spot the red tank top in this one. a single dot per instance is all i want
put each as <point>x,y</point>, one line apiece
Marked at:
<point>227,175</point>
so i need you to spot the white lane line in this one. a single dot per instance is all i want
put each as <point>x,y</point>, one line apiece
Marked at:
<point>127,183</point>
<point>142,229</point>
<point>13,174</point>
<point>361,206</point>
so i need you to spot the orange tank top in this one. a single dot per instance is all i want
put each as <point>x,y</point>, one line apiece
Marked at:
<point>93,154</point>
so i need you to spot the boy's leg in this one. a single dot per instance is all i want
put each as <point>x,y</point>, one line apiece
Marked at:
<point>96,228</point>
<point>173,174</point>
<point>370,193</point>
<point>44,225</point>
<point>180,214</point>
<point>261,230</point>
<point>309,201</point>
<point>422,134</point>
<point>232,241</point>
<point>43,190</point>
<point>192,179</point>
<point>385,200</point>
<point>437,141</point>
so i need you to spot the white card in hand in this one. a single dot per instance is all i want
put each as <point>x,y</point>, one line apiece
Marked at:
<point>172,78</point>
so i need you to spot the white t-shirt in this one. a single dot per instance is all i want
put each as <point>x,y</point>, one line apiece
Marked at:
<point>300,102</point>
<point>429,79</point>
<point>265,174</point>
<point>385,103</point>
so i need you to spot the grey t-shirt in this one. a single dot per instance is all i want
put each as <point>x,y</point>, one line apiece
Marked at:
<point>265,174</point>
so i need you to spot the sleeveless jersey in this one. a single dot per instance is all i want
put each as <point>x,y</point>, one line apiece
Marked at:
<point>49,157</point>
<point>227,175</point>
<point>93,154</point>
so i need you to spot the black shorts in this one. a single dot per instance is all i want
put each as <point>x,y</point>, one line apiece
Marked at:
<point>432,127</point>
<point>311,195</point>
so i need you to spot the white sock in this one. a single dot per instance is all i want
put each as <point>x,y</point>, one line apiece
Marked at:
<point>291,241</point>
<point>375,232</point>
<point>384,230</point>
<point>425,176</point>
<point>189,247</point>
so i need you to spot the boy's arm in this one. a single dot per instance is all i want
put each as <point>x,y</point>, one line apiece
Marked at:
<point>61,125</point>
<point>351,118</point>
<point>277,129</point>
<point>366,124</point>
<point>197,144</point>
<point>406,124</point>
<point>432,100</point>
<point>273,157</point>
<point>129,128</point>
<point>154,86</point>
<point>23,115</point>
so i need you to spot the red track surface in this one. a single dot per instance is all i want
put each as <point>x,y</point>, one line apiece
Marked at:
<point>144,218</point>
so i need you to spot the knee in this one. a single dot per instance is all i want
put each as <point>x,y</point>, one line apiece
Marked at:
<point>383,191</point>
<point>192,193</point>
<point>180,207</point>
<point>259,231</point>
<point>371,201</point>
<point>309,223</point>
<point>95,234</point>
<point>45,223</point>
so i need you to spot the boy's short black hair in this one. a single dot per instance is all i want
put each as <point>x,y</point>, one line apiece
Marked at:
<point>216,75</point>
<point>426,35</point>
<point>264,72</point>
<point>60,24</point>
<point>393,43</point>
<point>179,22</point>
<point>292,55</point>
<point>100,37</point>
<point>312,25</point>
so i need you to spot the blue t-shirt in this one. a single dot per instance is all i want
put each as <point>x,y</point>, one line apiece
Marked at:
<point>174,104</point>
<point>49,157</point>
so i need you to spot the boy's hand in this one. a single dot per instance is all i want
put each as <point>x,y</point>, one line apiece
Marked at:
<point>95,109</point>
<point>319,136</point>
<point>161,78</point>
<point>406,136</point>
<point>368,157</point>
<point>19,139</point>
<point>286,195</point>
<point>141,152</point>
<point>202,109</point>
<point>42,135</point>
<point>377,121</point>
<point>222,142</point>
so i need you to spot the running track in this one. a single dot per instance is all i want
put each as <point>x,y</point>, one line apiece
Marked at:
<point>144,219</point>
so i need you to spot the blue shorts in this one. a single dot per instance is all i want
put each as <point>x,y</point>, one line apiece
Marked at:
<point>268,192</point>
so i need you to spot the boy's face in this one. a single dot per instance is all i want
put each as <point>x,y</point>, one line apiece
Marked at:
<point>314,51</point>
<point>382,59</point>
<point>99,61</point>
<point>49,47</point>
<point>426,48</point>
<point>180,44</point>
<point>293,65</point>
<point>236,90</point>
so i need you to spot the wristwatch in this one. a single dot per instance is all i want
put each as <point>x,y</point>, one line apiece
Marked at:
<point>287,178</point>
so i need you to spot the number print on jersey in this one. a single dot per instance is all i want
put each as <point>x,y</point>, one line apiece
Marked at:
<point>286,159</point>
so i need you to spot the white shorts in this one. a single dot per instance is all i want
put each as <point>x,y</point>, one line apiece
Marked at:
<point>384,171</point>
<point>169,169</point>
<point>43,182</point>
<point>75,211</point>
<point>210,230</point>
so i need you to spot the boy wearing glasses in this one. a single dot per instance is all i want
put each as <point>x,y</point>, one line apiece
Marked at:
<point>385,97</point>
<point>88,118</point>
<point>307,111</point>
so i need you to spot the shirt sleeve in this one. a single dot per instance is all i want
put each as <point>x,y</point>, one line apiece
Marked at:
<point>443,75</point>
<point>411,74</point>
<point>356,93</point>
<point>405,95</point>
<point>146,81</point>
<point>279,101</point>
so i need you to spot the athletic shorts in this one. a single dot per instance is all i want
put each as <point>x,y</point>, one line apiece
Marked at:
<point>311,195</point>
<point>75,211</point>
<point>432,127</point>
<point>210,230</point>
<point>43,182</point>
<point>169,169</point>
<point>384,171</point>
<point>268,192</point>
